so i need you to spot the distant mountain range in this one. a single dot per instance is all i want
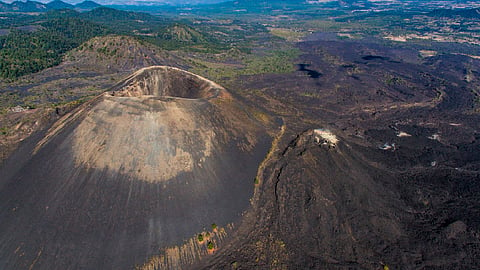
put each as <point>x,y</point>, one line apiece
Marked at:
<point>34,6</point>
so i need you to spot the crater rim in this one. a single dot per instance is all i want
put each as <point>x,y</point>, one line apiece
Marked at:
<point>166,82</point>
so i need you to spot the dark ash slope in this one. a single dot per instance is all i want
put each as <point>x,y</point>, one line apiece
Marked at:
<point>125,175</point>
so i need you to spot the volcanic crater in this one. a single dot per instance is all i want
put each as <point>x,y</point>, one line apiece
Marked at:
<point>161,81</point>
<point>144,166</point>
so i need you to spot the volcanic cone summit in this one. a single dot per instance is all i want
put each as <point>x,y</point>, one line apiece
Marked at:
<point>167,81</point>
<point>143,166</point>
<point>138,130</point>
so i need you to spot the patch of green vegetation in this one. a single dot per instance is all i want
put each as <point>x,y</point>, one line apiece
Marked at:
<point>256,181</point>
<point>275,62</point>
<point>11,20</point>
<point>309,94</point>
<point>326,25</point>
<point>288,34</point>
<point>200,238</point>
<point>210,245</point>
<point>214,226</point>
<point>4,130</point>
<point>73,103</point>
<point>393,80</point>
<point>23,52</point>
<point>182,36</point>
<point>107,51</point>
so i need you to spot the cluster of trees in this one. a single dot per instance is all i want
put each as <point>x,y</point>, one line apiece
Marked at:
<point>24,52</point>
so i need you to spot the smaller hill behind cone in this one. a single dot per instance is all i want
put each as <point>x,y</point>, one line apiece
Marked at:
<point>118,54</point>
<point>183,33</point>
<point>86,5</point>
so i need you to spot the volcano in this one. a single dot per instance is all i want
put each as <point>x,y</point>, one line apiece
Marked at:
<point>146,165</point>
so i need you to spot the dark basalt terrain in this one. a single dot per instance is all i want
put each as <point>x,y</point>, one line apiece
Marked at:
<point>400,188</point>
<point>142,167</point>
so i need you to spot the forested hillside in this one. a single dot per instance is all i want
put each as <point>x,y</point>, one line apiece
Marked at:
<point>23,52</point>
